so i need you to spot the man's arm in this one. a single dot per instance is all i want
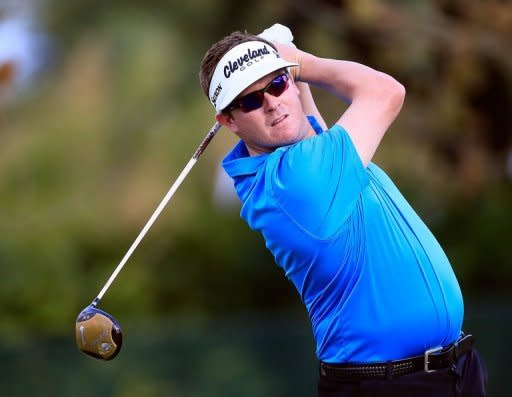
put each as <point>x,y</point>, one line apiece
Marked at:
<point>374,98</point>
<point>308,103</point>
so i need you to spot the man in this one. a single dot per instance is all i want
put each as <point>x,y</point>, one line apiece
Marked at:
<point>385,306</point>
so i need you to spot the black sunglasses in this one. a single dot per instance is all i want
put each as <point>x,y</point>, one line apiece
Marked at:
<point>254,100</point>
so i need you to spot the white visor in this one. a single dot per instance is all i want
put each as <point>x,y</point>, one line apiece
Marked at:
<point>239,68</point>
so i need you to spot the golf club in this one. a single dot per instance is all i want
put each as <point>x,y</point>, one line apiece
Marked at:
<point>99,334</point>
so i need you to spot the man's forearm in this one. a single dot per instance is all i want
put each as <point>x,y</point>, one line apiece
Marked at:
<point>374,98</point>
<point>347,80</point>
<point>308,103</point>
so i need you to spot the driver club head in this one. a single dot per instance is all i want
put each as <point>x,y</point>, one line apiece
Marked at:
<point>98,334</point>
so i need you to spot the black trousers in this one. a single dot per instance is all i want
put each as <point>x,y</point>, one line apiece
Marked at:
<point>467,378</point>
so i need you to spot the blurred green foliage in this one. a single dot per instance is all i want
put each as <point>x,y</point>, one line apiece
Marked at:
<point>87,154</point>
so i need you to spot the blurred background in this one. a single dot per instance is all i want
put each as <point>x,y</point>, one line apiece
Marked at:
<point>100,109</point>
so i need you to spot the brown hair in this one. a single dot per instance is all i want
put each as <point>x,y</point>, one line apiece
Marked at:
<point>217,51</point>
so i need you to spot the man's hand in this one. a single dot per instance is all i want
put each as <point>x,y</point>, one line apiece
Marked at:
<point>291,54</point>
<point>281,36</point>
<point>278,33</point>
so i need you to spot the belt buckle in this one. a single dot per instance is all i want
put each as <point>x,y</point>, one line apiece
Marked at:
<point>427,354</point>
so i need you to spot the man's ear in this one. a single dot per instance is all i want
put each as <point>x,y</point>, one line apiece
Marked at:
<point>227,120</point>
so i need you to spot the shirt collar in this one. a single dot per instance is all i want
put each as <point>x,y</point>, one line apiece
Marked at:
<point>238,162</point>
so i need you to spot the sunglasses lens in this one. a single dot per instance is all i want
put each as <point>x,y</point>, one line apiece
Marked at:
<point>254,100</point>
<point>251,101</point>
<point>278,85</point>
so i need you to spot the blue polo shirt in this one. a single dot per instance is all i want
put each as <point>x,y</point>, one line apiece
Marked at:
<point>376,284</point>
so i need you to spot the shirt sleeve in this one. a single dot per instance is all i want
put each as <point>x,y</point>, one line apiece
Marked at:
<point>318,181</point>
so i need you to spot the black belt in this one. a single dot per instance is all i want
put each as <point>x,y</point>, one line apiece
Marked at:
<point>432,360</point>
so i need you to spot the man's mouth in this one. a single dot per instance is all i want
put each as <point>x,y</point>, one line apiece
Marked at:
<point>278,120</point>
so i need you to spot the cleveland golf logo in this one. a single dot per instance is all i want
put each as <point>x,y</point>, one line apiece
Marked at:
<point>246,60</point>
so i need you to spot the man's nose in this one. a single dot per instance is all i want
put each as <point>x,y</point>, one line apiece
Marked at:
<point>270,102</point>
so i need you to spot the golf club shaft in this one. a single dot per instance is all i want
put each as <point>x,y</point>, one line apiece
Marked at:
<point>202,146</point>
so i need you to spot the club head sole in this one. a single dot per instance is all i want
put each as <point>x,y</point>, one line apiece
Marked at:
<point>98,334</point>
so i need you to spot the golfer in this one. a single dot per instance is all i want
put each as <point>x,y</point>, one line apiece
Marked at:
<point>385,306</point>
